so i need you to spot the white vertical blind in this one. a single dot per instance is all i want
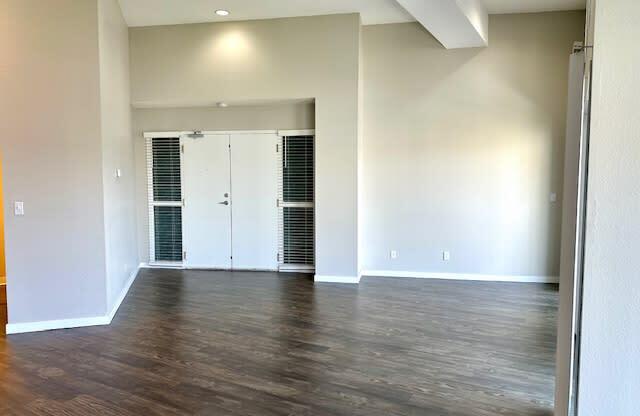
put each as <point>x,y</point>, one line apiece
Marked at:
<point>296,203</point>
<point>165,199</point>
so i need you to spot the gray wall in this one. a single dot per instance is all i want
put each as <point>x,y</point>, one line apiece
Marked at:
<point>464,147</point>
<point>288,116</point>
<point>197,65</point>
<point>117,150</point>
<point>65,128</point>
<point>610,361</point>
<point>51,149</point>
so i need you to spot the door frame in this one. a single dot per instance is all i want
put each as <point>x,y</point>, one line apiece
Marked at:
<point>180,134</point>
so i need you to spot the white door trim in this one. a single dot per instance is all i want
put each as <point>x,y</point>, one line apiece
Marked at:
<point>306,132</point>
<point>165,134</point>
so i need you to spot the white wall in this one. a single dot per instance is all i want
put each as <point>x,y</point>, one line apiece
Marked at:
<point>286,116</point>
<point>52,158</point>
<point>464,147</point>
<point>316,57</point>
<point>117,150</point>
<point>610,360</point>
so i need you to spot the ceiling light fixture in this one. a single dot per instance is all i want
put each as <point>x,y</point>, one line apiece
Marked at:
<point>222,12</point>
<point>223,105</point>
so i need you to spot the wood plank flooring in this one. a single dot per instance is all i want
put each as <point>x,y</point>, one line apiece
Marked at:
<point>221,343</point>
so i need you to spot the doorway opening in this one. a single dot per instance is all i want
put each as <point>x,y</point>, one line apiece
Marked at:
<point>234,200</point>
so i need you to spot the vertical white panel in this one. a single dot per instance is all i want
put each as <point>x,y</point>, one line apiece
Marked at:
<point>570,262</point>
<point>254,201</point>
<point>207,211</point>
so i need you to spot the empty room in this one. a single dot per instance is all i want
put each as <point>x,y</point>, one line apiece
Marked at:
<point>329,207</point>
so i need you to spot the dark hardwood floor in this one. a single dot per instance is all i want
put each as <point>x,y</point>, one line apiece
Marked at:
<point>219,343</point>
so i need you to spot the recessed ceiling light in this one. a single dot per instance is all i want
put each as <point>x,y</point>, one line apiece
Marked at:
<point>223,105</point>
<point>222,12</point>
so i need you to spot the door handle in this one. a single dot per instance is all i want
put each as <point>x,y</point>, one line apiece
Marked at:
<point>223,203</point>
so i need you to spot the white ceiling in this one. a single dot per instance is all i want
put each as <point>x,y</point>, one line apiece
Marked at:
<point>164,12</point>
<point>160,12</point>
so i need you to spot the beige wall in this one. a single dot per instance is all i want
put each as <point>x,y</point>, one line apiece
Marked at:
<point>317,57</point>
<point>117,150</point>
<point>51,148</point>
<point>464,147</point>
<point>246,117</point>
<point>461,149</point>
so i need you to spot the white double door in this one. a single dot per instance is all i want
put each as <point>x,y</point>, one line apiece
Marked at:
<point>230,216</point>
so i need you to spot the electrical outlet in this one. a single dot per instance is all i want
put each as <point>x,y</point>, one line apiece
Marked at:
<point>394,254</point>
<point>446,256</point>
<point>553,197</point>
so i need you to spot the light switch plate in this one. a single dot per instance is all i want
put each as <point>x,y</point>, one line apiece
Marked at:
<point>18,208</point>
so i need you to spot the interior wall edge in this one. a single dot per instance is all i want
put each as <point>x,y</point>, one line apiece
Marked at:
<point>102,320</point>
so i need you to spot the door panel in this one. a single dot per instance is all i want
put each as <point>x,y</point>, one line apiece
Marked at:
<point>254,172</point>
<point>207,211</point>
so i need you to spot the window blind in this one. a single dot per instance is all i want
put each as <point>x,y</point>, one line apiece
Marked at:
<point>165,199</point>
<point>296,197</point>
<point>168,233</point>
<point>166,170</point>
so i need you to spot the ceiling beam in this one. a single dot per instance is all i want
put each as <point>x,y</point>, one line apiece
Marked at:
<point>455,23</point>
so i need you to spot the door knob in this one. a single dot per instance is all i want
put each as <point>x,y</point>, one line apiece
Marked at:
<point>223,203</point>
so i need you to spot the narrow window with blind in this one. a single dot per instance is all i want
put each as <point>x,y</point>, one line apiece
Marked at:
<point>165,199</point>
<point>296,197</point>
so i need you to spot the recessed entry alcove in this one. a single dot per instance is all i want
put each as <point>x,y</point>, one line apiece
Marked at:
<point>230,186</point>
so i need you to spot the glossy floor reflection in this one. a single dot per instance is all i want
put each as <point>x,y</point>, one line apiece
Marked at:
<point>220,343</point>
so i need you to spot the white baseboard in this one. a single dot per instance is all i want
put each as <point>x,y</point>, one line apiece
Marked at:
<point>252,269</point>
<point>57,324</point>
<point>22,328</point>
<point>161,266</point>
<point>123,293</point>
<point>462,276</point>
<point>337,279</point>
